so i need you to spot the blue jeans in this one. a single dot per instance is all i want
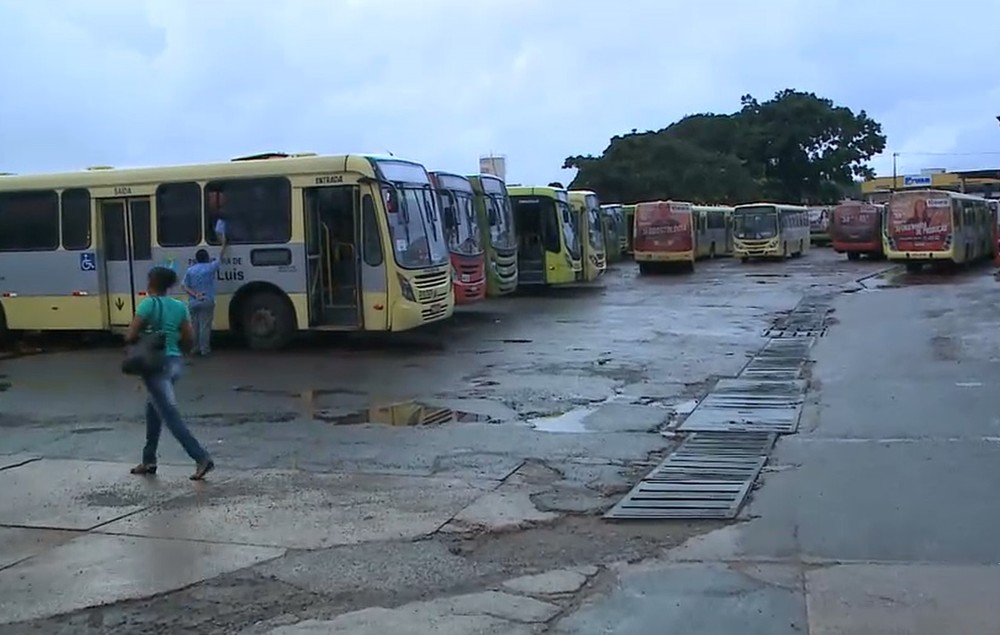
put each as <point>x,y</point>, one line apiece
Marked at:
<point>161,408</point>
<point>201,321</point>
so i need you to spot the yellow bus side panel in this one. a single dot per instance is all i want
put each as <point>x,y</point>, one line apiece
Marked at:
<point>64,312</point>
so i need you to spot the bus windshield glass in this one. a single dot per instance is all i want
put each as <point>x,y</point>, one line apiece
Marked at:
<point>756,223</point>
<point>501,218</point>
<point>596,230</point>
<point>414,225</point>
<point>459,216</point>
<point>570,228</point>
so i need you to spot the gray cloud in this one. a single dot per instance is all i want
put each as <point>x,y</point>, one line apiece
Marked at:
<point>139,82</point>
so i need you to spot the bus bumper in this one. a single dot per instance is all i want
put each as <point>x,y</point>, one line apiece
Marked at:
<point>469,292</point>
<point>664,256</point>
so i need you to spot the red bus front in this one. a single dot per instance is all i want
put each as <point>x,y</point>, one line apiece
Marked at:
<point>856,228</point>
<point>470,277</point>
<point>461,230</point>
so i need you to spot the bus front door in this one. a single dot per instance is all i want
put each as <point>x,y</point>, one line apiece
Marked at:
<point>332,239</point>
<point>127,255</point>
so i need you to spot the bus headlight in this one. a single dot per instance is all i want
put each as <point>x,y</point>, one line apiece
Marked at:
<point>405,287</point>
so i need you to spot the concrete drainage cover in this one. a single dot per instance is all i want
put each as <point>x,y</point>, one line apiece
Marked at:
<point>706,477</point>
<point>780,359</point>
<point>748,405</point>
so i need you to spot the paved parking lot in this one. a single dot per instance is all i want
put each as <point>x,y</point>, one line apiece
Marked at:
<point>497,442</point>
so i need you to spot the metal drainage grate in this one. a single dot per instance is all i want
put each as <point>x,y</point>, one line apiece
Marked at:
<point>707,477</point>
<point>780,359</point>
<point>727,444</point>
<point>805,320</point>
<point>745,405</point>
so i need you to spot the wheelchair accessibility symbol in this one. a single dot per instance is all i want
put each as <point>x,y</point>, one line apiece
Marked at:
<point>87,261</point>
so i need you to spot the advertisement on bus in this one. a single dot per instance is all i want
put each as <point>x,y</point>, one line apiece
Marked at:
<point>920,221</point>
<point>663,226</point>
<point>855,221</point>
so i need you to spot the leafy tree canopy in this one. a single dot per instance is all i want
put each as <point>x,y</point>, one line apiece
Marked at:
<point>796,147</point>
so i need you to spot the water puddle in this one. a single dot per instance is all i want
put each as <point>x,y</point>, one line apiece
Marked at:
<point>570,421</point>
<point>403,414</point>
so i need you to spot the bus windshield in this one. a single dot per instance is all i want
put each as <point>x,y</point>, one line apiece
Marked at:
<point>414,225</point>
<point>459,217</point>
<point>756,223</point>
<point>501,218</point>
<point>596,229</point>
<point>570,228</point>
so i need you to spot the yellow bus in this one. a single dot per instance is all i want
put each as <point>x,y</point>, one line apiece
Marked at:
<point>628,214</point>
<point>549,250</point>
<point>342,243</point>
<point>933,226</point>
<point>770,230</point>
<point>713,231</point>
<point>587,206</point>
<point>615,237</point>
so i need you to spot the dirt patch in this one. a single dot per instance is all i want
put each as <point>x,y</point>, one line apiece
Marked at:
<point>945,348</point>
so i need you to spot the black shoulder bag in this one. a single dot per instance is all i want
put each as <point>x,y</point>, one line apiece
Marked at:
<point>148,355</point>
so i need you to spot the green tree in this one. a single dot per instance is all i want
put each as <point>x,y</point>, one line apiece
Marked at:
<point>796,147</point>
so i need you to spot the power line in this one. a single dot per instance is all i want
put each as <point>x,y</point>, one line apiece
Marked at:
<point>942,154</point>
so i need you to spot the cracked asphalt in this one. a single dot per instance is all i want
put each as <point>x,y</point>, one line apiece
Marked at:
<point>453,480</point>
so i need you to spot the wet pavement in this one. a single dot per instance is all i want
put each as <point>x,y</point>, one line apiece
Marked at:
<point>454,482</point>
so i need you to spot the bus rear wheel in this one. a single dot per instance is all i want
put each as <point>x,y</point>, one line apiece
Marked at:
<point>644,268</point>
<point>268,321</point>
<point>854,255</point>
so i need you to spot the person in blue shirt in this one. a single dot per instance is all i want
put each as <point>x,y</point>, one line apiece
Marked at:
<point>199,285</point>
<point>169,316</point>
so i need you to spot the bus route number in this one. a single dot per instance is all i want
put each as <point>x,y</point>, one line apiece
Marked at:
<point>329,179</point>
<point>122,190</point>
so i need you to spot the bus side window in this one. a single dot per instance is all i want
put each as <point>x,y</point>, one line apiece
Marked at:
<point>178,214</point>
<point>75,216</point>
<point>29,221</point>
<point>371,249</point>
<point>257,211</point>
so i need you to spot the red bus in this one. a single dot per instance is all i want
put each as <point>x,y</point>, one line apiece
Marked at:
<point>664,235</point>
<point>461,231</point>
<point>856,229</point>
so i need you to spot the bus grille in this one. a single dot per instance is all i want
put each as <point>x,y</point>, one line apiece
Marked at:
<point>435,312</point>
<point>430,280</point>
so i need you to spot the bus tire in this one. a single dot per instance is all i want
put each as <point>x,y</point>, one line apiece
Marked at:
<point>711,251</point>
<point>644,268</point>
<point>802,247</point>
<point>267,321</point>
<point>744,259</point>
<point>784,251</point>
<point>854,255</point>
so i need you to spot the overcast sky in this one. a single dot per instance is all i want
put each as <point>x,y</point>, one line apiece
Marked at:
<point>143,82</point>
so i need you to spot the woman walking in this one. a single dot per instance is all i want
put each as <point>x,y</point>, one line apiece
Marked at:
<point>170,317</point>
